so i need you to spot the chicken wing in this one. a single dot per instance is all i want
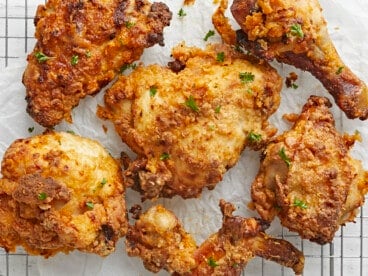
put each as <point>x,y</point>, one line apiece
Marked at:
<point>307,177</point>
<point>161,242</point>
<point>61,192</point>
<point>190,122</point>
<point>295,32</point>
<point>81,46</point>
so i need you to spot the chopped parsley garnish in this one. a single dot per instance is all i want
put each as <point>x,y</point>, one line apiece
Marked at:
<point>42,196</point>
<point>30,129</point>
<point>70,132</point>
<point>191,103</point>
<point>218,109</point>
<point>74,61</point>
<point>295,86</point>
<point>41,57</point>
<point>212,263</point>
<point>103,181</point>
<point>88,54</point>
<point>127,66</point>
<point>182,13</point>
<point>284,157</point>
<point>300,203</point>
<point>129,24</point>
<point>90,205</point>
<point>220,57</point>
<point>164,156</point>
<point>209,34</point>
<point>246,77</point>
<point>153,91</point>
<point>254,137</point>
<point>238,48</point>
<point>339,71</point>
<point>296,30</point>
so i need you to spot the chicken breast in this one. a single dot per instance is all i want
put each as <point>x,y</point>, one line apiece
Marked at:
<point>61,192</point>
<point>308,178</point>
<point>161,242</point>
<point>189,122</point>
<point>295,32</point>
<point>81,46</point>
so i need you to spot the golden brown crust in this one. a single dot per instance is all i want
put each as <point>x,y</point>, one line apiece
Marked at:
<point>159,239</point>
<point>197,122</point>
<point>82,56</point>
<point>61,192</point>
<point>295,32</point>
<point>161,242</point>
<point>308,178</point>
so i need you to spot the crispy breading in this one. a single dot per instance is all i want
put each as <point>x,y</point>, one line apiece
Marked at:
<point>61,192</point>
<point>161,242</point>
<point>295,32</point>
<point>188,127</point>
<point>81,46</point>
<point>308,178</point>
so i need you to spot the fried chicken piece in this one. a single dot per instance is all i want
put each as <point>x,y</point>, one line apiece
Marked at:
<point>307,177</point>
<point>189,127</point>
<point>61,192</point>
<point>295,32</point>
<point>161,242</point>
<point>81,46</point>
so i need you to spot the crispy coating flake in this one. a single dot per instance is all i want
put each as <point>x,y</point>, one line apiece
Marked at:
<point>75,57</point>
<point>61,192</point>
<point>308,178</point>
<point>162,243</point>
<point>190,126</point>
<point>295,32</point>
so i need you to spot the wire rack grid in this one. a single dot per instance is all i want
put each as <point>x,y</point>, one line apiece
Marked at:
<point>346,255</point>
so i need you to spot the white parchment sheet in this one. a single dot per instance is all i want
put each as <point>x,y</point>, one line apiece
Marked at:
<point>348,26</point>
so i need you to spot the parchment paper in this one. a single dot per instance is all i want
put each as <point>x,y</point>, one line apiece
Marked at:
<point>349,30</point>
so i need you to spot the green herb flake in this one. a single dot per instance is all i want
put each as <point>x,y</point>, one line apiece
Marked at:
<point>295,86</point>
<point>30,129</point>
<point>126,67</point>
<point>42,196</point>
<point>209,34</point>
<point>90,205</point>
<point>165,156</point>
<point>153,91</point>
<point>41,57</point>
<point>220,57</point>
<point>238,48</point>
<point>70,132</point>
<point>103,181</point>
<point>300,203</point>
<point>182,13</point>
<point>191,103</point>
<point>284,157</point>
<point>129,24</point>
<point>296,30</point>
<point>339,70</point>
<point>74,60</point>
<point>246,77</point>
<point>212,263</point>
<point>218,109</point>
<point>254,137</point>
<point>88,54</point>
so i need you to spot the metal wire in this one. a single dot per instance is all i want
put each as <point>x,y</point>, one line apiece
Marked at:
<point>347,255</point>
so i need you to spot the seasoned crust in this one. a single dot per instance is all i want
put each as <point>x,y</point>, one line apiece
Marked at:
<point>161,242</point>
<point>295,32</point>
<point>61,192</point>
<point>82,56</point>
<point>189,127</point>
<point>314,186</point>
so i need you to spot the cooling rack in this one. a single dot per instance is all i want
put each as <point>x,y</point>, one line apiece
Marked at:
<point>346,255</point>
